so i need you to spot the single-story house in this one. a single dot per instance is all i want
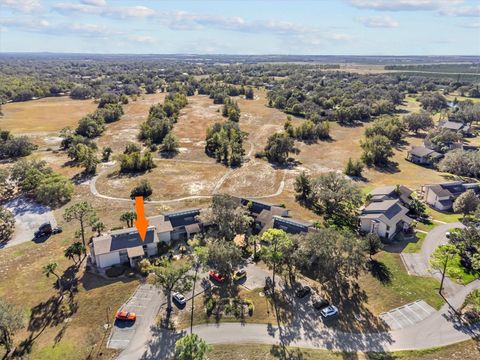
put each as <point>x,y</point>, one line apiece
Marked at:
<point>391,193</point>
<point>423,156</point>
<point>385,218</point>
<point>465,129</point>
<point>126,246</point>
<point>442,196</point>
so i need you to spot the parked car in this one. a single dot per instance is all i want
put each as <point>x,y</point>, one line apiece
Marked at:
<point>47,230</point>
<point>320,304</point>
<point>448,234</point>
<point>126,316</point>
<point>213,275</point>
<point>239,275</point>
<point>179,298</point>
<point>329,311</point>
<point>304,291</point>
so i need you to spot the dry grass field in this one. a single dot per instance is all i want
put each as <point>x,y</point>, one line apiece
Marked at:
<point>190,173</point>
<point>44,115</point>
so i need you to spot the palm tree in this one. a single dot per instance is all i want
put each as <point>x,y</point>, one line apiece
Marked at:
<point>48,270</point>
<point>76,249</point>
<point>128,217</point>
<point>98,226</point>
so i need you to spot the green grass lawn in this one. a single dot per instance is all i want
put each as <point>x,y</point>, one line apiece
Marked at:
<point>456,271</point>
<point>390,286</point>
<point>425,227</point>
<point>448,218</point>
<point>415,247</point>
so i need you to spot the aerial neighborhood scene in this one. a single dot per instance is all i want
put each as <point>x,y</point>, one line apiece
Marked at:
<point>245,180</point>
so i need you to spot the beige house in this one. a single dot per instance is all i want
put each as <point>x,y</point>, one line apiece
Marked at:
<point>385,218</point>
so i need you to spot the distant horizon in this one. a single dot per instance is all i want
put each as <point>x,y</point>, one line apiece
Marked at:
<point>238,54</point>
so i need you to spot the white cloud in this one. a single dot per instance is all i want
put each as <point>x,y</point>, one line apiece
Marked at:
<point>94,2</point>
<point>21,5</point>
<point>473,11</point>
<point>403,5</point>
<point>378,21</point>
<point>70,9</point>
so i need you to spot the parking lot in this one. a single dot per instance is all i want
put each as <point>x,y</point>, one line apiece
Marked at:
<point>29,215</point>
<point>145,303</point>
<point>407,315</point>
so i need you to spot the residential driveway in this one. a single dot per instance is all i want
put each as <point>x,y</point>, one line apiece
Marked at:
<point>145,302</point>
<point>418,263</point>
<point>29,215</point>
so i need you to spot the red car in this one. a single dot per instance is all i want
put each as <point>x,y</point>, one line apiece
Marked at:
<point>125,316</point>
<point>216,276</point>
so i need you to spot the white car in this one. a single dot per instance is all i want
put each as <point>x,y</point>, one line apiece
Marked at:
<point>329,311</point>
<point>179,298</point>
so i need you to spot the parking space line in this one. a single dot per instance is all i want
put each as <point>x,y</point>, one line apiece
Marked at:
<point>414,313</point>
<point>420,305</point>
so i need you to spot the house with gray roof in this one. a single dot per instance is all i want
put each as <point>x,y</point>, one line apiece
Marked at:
<point>460,127</point>
<point>391,192</point>
<point>442,196</point>
<point>125,246</point>
<point>422,155</point>
<point>385,218</point>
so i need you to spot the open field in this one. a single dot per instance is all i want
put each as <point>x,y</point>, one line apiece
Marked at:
<point>44,115</point>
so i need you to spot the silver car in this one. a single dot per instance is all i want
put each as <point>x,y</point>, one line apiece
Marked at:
<point>179,298</point>
<point>329,311</point>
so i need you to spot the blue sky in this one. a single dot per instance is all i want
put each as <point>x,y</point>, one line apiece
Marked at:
<point>337,27</point>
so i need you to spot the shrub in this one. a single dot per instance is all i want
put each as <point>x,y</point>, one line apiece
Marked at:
<point>142,189</point>
<point>144,266</point>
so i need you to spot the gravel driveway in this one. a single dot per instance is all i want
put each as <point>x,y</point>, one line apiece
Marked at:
<point>29,215</point>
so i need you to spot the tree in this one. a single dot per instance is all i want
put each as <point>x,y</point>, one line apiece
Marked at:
<point>76,249</point>
<point>128,217</point>
<point>106,152</point>
<point>330,255</point>
<point>440,258</point>
<point>11,320</point>
<point>54,189</point>
<point>389,126</point>
<point>466,203</point>
<point>170,277</point>
<point>275,255</point>
<point>303,189</point>
<point>98,226</point>
<point>170,143</point>
<point>418,121</point>
<point>142,189</point>
<point>50,269</point>
<point>223,256</point>
<point>377,150</point>
<point>354,168</point>
<point>7,224</point>
<point>229,217</point>
<point>200,256</point>
<point>249,95</point>
<point>87,158</point>
<point>191,347</point>
<point>417,208</point>
<point>279,146</point>
<point>337,197</point>
<point>84,213</point>
<point>373,244</point>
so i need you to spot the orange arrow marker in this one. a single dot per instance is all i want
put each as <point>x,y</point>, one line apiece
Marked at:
<point>142,222</point>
